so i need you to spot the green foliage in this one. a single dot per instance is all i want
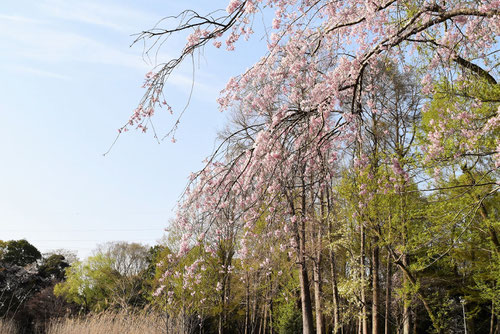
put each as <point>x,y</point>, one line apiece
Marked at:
<point>201,296</point>
<point>460,111</point>
<point>3,248</point>
<point>288,317</point>
<point>89,283</point>
<point>54,267</point>
<point>19,252</point>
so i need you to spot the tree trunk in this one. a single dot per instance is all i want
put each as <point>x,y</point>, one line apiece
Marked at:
<point>317,298</point>
<point>408,277</point>
<point>406,303</point>
<point>305,297</point>
<point>305,293</point>
<point>414,322</point>
<point>492,319</point>
<point>260,325</point>
<point>317,283</point>
<point>253,315</point>
<point>220,324</point>
<point>325,207</point>
<point>375,287</point>
<point>264,327</point>
<point>336,320</point>
<point>388,295</point>
<point>247,305</point>
<point>271,330</point>
<point>364,318</point>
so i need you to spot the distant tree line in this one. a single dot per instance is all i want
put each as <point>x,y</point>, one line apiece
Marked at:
<point>37,289</point>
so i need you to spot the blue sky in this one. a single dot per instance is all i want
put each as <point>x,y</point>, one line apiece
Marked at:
<point>68,81</point>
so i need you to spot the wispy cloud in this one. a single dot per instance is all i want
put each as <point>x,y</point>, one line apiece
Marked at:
<point>72,30</point>
<point>117,17</point>
<point>51,45</point>
<point>61,33</point>
<point>21,19</point>
<point>37,71</point>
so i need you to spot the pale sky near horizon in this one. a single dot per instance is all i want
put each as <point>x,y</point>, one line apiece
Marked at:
<point>69,81</point>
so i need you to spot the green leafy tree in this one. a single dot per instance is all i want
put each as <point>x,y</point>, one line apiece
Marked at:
<point>20,253</point>
<point>89,283</point>
<point>53,267</point>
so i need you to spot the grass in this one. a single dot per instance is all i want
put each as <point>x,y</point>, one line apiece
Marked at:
<point>109,323</point>
<point>7,327</point>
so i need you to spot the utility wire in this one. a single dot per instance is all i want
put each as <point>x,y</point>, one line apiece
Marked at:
<point>86,230</point>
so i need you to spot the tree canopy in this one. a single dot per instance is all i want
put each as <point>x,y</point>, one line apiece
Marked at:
<point>20,253</point>
<point>368,129</point>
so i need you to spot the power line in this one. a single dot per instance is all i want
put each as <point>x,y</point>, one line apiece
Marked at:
<point>79,240</point>
<point>87,230</point>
